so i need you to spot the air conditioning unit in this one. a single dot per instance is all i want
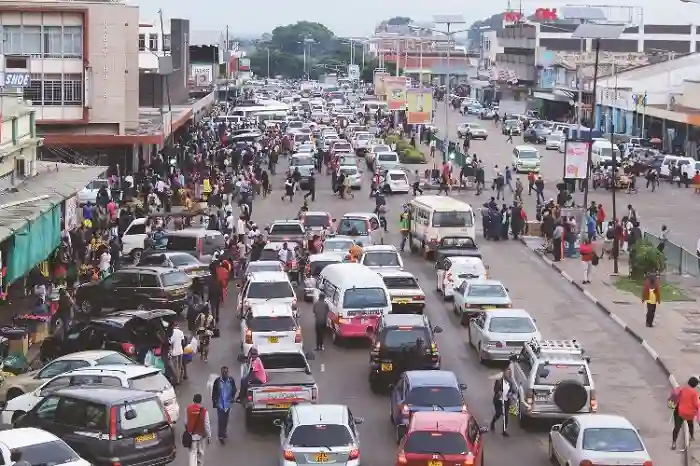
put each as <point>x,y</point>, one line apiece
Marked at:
<point>23,167</point>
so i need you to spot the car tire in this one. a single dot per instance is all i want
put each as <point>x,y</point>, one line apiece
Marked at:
<point>464,319</point>
<point>523,419</point>
<point>16,415</point>
<point>470,341</point>
<point>478,355</point>
<point>336,339</point>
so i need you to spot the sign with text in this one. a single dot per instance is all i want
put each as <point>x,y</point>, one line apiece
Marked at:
<point>203,75</point>
<point>419,106</point>
<point>14,79</point>
<point>576,160</point>
<point>379,87</point>
<point>621,60</point>
<point>546,14</point>
<point>395,92</point>
<point>354,72</point>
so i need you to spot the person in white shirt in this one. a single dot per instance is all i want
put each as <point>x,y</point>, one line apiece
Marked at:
<point>230,223</point>
<point>176,351</point>
<point>240,228</point>
<point>105,261</point>
<point>160,186</point>
<point>284,254</point>
<point>503,390</point>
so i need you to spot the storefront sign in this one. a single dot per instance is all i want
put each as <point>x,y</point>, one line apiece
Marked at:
<point>576,160</point>
<point>419,106</point>
<point>513,17</point>
<point>621,60</point>
<point>615,97</point>
<point>396,92</point>
<point>203,75</point>
<point>546,14</point>
<point>14,79</point>
<point>379,87</point>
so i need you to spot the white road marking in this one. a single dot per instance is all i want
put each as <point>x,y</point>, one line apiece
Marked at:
<point>590,296</point>
<point>650,350</point>
<point>323,368</point>
<point>210,382</point>
<point>618,320</point>
<point>567,276</point>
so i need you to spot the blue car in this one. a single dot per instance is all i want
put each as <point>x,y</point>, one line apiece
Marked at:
<point>424,391</point>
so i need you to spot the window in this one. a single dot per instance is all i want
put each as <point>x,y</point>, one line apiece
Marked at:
<point>569,431</point>
<point>60,367</point>
<point>315,436</point>
<point>31,40</point>
<point>166,42</point>
<point>116,358</point>
<point>52,41</point>
<point>73,89</point>
<point>149,281</point>
<point>46,409</point>
<point>439,443</point>
<point>270,290</point>
<point>60,382</point>
<point>363,298</point>
<point>148,414</point>
<point>142,42</point>
<point>153,42</point>
<point>72,41</point>
<point>12,39</point>
<point>137,229</point>
<point>175,279</point>
<point>96,380</point>
<point>83,414</point>
<point>52,90</point>
<point>33,92</point>
<point>55,452</point>
<point>155,382</point>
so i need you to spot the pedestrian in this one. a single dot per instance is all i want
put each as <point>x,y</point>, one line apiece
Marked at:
<point>686,405</point>
<point>510,136</point>
<point>503,391</point>
<point>651,295</point>
<point>587,258</point>
<point>222,395</point>
<point>416,184</point>
<point>663,239</point>
<point>288,189</point>
<point>518,191</point>
<point>197,430</point>
<point>321,310</point>
<point>312,188</point>
<point>177,344</point>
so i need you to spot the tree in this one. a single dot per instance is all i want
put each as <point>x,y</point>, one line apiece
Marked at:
<point>367,73</point>
<point>290,38</point>
<point>399,21</point>
<point>284,64</point>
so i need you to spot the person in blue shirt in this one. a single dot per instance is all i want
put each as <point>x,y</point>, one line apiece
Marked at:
<point>222,395</point>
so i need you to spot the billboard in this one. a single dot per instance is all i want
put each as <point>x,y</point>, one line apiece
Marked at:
<point>244,64</point>
<point>202,75</point>
<point>379,87</point>
<point>419,106</point>
<point>576,160</point>
<point>395,89</point>
<point>354,72</point>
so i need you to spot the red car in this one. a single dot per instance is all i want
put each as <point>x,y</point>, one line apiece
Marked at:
<point>438,438</point>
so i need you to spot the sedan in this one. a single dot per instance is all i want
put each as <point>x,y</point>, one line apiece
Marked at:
<point>338,244</point>
<point>477,132</point>
<point>552,141</point>
<point>396,181</point>
<point>536,135</point>
<point>496,335</point>
<point>597,439</point>
<point>264,266</point>
<point>175,260</point>
<point>474,296</point>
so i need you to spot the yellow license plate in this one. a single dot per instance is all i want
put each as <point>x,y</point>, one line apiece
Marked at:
<point>273,339</point>
<point>434,463</point>
<point>489,307</point>
<point>145,438</point>
<point>322,458</point>
<point>401,301</point>
<point>386,367</point>
<point>280,405</point>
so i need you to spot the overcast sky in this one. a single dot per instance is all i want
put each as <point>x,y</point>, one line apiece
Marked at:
<point>359,17</point>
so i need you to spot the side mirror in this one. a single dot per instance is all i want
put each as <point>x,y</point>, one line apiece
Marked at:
<point>310,356</point>
<point>241,358</point>
<point>277,422</point>
<point>463,386</point>
<point>483,429</point>
<point>130,414</point>
<point>556,428</point>
<point>359,420</point>
<point>437,329</point>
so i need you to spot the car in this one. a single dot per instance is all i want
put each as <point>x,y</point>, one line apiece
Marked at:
<point>358,226</point>
<point>452,270</point>
<point>396,182</point>
<point>407,297</point>
<point>305,164</point>
<point>107,425</point>
<point>553,380</point>
<point>401,342</point>
<point>118,331</point>
<point>264,266</point>
<point>269,324</point>
<point>192,266</point>
<point>353,174</point>
<point>132,376</point>
<point>135,288</point>
<point>88,195</point>
<point>316,222</point>
<point>319,434</point>
<point>453,438</point>
<point>537,134</point>
<point>266,288</point>
<point>314,266</point>
<point>287,231</point>
<point>474,130</point>
<point>199,242</point>
<point>18,385</point>
<point>373,150</point>
<point>495,335</point>
<point>511,125</point>
<point>456,246</point>
<point>37,447</point>
<point>418,391</point>
<point>553,139</point>
<point>385,161</point>
<point>473,296</point>
<point>361,141</point>
<point>381,256</point>
<point>597,439</point>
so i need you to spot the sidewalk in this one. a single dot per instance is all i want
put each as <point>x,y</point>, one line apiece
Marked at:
<point>673,342</point>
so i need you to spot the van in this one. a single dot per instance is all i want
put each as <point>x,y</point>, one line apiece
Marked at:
<point>433,217</point>
<point>602,152</point>
<point>687,165</point>
<point>356,297</point>
<point>667,164</point>
<point>526,158</point>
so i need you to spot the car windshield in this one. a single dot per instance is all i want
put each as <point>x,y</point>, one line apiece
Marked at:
<point>453,219</point>
<point>286,229</point>
<point>155,382</point>
<point>552,374</point>
<point>363,137</point>
<point>97,184</point>
<point>394,283</point>
<point>381,259</point>
<point>175,279</point>
<point>438,396</point>
<point>361,298</point>
<point>388,157</point>
<point>316,267</point>
<point>48,453</point>
<point>405,336</point>
<point>311,221</point>
<point>337,245</point>
<point>486,291</point>
<point>611,439</point>
<point>114,358</point>
<point>341,147</point>
<point>607,152</point>
<point>271,324</point>
<point>148,414</point>
<point>270,290</point>
<point>441,443</point>
<point>457,242</point>
<point>353,227</point>
<point>511,325</point>
<point>527,154</point>
<point>283,361</point>
<point>320,436</point>
<point>378,149</point>
<point>397,177</point>
<point>264,267</point>
<point>473,126</point>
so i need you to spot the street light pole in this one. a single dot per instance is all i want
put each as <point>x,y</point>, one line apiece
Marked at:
<point>268,62</point>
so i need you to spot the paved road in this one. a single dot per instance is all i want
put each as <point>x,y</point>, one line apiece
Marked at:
<point>626,380</point>
<point>677,208</point>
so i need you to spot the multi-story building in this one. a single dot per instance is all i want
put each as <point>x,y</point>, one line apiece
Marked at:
<point>153,43</point>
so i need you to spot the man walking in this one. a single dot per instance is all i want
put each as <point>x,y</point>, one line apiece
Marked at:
<point>222,395</point>
<point>651,295</point>
<point>176,352</point>
<point>503,390</point>
<point>199,428</point>
<point>312,187</point>
<point>321,311</point>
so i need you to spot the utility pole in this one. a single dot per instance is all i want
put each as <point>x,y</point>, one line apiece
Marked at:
<point>227,60</point>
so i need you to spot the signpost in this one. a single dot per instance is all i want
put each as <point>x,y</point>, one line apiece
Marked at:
<point>15,79</point>
<point>354,72</point>
<point>419,106</point>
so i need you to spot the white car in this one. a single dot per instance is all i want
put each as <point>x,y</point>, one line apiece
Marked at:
<point>38,447</point>
<point>495,335</point>
<point>386,161</point>
<point>597,439</point>
<point>134,376</point>
<point>354,175</point>
<point>396,181</point>
<point>89,193</point>
<point>454,270</point>
<point>266,288</point>
<point>553,139</point>
<point>269,324</point>
<point>264,266</point>
<point>473,129</point>
<point>406,294</point>
<point>381,256</point>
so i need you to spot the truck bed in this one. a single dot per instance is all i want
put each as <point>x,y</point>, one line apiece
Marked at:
<point>284,379</point>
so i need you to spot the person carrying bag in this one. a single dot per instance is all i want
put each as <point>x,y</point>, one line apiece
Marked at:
<point>197,429</point>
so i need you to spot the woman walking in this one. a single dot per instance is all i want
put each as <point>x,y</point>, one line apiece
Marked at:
<point>686,404</point>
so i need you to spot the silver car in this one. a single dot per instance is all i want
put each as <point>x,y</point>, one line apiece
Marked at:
<point>317,262</point>
<point>319,434</point>
<point>340,244</point>
<point>496,335</point>
<point>474,296</point>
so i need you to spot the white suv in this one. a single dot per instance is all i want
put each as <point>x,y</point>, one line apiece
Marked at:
<point>137,377</point>
<point>269,324</point>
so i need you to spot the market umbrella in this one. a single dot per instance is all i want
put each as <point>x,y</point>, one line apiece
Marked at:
<point>655,141</point>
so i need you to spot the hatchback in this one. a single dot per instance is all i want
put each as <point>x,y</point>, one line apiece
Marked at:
<point>474,296</point>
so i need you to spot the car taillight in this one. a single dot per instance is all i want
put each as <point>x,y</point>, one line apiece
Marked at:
<point>464,408</point>
<point>200,245</point>
<point>113,419</point>
<point>448,277</point>
<point>314,394</point>
<point>594,401</point>
<point>469,460</point>
<point>129,349</point>
<point>586,463</point>
<point>419,298</point>
<point>530,398</point>
<point>354,454</point>
<point>648,463</point>
<point>401,458</point>
<point>289,455</point>
<point>248,337</point>
<point>404,410</point>
<point>297,336</point>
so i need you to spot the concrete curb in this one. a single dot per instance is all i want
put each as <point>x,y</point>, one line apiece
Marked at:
<point>647,347</point>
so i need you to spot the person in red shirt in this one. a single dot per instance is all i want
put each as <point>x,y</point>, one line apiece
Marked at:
<point>587,254</point>
<point>686,410</point>
<point>199,427</point>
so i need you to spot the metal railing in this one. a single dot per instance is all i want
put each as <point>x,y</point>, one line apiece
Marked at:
<point>678,260</point>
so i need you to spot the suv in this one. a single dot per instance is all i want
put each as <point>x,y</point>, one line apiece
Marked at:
<point>136,288</point>
<point>553,380</point>
<point>107,425</point>
<point>401,342</point>
<point>201,243</point>
<point>287,231</point>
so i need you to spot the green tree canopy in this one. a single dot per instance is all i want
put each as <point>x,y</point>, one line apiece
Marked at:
<point>399,21</point>
<point>290,38</point>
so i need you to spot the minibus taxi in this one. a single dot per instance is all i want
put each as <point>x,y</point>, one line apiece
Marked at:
<point>356,297</point>
<point>434,217</point>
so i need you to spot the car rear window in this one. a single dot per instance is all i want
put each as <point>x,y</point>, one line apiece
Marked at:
<point>363,298</point>
<point>48,453</point>
<point>317,266</point>
<point>381,259</point>
<point>434,396</point>
<point>444,443</point>
<point>148,413</point>
<point>155,382</point>
<point>179,260</point>
<point>487,291</point>
<point>320,435</point>
<point>116,358</point>
<point>271,324</point>
<point>181,243</point>
<point>404,336</point>
<point>388,157</point>
<point>347,224</point>
<point>255,267</point>
<point>613,439</point>
<point>316,221</point>
<point>175,279</point>
<point>400,282</point>
<point>286,229</point>
<point>560,372</point>
<point>270,290</point>
<point>397,176</point>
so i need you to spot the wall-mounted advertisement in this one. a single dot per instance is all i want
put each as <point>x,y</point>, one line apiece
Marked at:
<point>576,160</point>
<point>396,92</point>
<point>202,75</point>
<point>419,106</point>
<point>379,87</point>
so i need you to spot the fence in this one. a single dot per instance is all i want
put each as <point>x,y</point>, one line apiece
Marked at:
<point>459,157</point>
<point>678,260</point>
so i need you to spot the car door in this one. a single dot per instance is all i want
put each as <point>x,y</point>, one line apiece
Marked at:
<point>112,288</point>
<point>459,293</point>
<point>397,397</point>
<point>474,439</point>
<point>81,422</point>
<point>43,416</point>
<point>521,370</point>
<point>565,440</point>
<point>476,329</point>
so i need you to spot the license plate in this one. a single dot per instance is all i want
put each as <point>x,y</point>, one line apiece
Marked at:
<point>280,405</point>
<point>489,307</point>
<point>387,366</point>
<point>322,458</point>
<point>434,463</point>
<point>273,339</point>
<point>145,438</point>
<point>401,301</point>
<point>541,397</point>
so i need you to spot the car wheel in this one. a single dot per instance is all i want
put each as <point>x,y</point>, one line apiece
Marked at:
<point>469,335</point>
<point>136,255</point>
<point>14,393</point>
<point>454,308</point>
<point>478,354</point>
<point>552,456</point>
<point>444,296</point>
<point>335,338</point>
<point>464,319</point>
<point>523,419</point>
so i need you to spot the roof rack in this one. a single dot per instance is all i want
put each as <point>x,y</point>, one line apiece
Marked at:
<point>556,346</point>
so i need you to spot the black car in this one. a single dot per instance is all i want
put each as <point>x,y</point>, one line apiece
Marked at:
<point>136,288</point>
<point>107,425</point>
<point>456,246</point>
<point>400,343</point>
<point>125,331</point>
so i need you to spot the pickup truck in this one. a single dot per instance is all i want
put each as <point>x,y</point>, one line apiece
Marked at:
<point>289,382</point>
<point>287,231</point>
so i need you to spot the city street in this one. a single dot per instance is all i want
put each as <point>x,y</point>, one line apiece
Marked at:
<point>677,208</point>
<point>627,381</point>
